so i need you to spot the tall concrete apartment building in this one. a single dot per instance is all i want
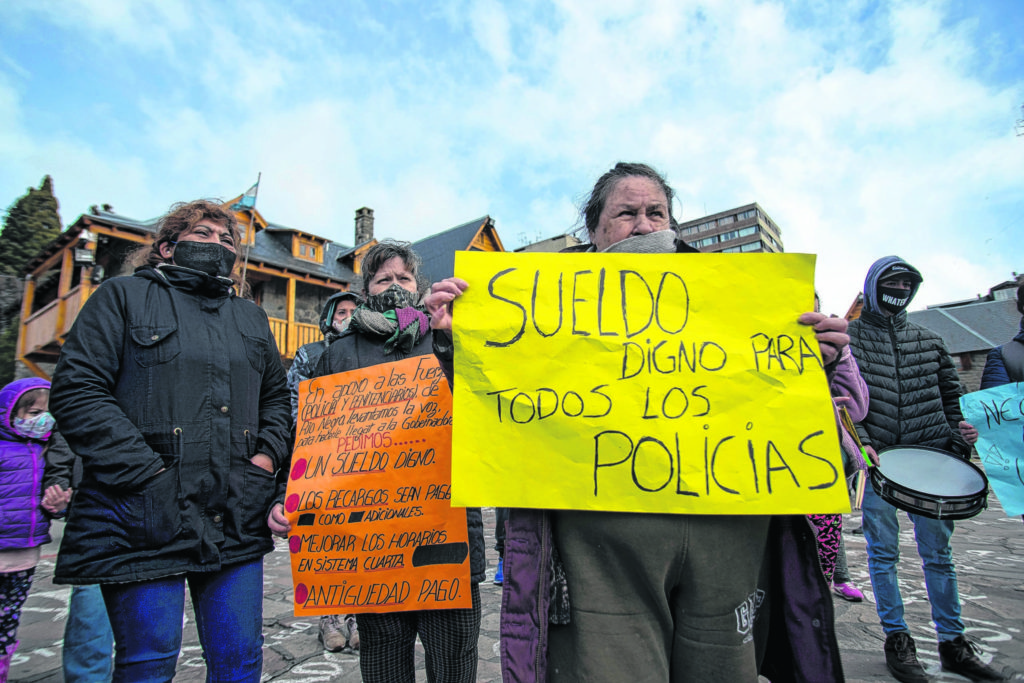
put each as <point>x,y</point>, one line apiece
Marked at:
<point>744,229</point>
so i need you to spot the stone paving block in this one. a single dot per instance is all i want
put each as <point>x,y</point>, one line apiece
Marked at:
<point>988,550</point>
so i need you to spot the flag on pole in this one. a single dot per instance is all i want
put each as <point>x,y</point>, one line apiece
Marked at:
<point>248,199</point>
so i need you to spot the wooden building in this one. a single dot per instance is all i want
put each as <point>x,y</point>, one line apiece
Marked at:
<point>290,273</point>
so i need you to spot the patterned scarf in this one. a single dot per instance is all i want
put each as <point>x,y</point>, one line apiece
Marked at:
<point>395,314</point>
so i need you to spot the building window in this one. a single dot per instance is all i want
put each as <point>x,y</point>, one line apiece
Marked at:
<point>309,251</point>
<point>726,220</point>
<point>750,246</point>
<point>731,250</point>
<point>965,361</point>
<point>708,241</point>
<point>710,225</point>
<point>747,214</point>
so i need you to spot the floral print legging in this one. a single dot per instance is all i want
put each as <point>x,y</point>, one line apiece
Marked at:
<point>13,591</point>
<point>829,530</point>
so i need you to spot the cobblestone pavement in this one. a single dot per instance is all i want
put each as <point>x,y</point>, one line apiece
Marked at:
<point>989,553</point>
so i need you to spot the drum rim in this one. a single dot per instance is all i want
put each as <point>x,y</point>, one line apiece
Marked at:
<point>891,482</point>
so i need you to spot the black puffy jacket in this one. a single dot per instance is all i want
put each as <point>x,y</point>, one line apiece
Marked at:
<point>354,350</point>
<point>166,386</point>
<point>915,390</point>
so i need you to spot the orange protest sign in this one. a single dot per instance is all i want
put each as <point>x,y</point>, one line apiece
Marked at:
<point>369,493</point>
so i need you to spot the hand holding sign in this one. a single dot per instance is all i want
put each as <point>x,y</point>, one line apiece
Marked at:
<point>639,383</point>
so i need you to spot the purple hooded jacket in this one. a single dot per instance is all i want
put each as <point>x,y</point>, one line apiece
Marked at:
<point>796,637</point>
<point>23,523</point>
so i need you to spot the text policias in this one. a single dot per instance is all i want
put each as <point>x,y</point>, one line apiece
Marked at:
<point>712,466</point>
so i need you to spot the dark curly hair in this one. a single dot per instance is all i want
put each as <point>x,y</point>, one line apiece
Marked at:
<point>184,216</point>
<point>384,251</point>
<point>179,220</point>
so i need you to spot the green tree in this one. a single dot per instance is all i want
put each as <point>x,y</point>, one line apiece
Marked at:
<point>31,223</point>
<point>8,343</point>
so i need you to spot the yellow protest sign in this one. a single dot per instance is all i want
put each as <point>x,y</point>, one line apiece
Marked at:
<point>373,529</point>
<point>646,383</point>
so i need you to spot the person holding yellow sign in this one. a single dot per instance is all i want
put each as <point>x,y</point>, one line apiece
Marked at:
<point>391,325</point>
<point>678,593</point>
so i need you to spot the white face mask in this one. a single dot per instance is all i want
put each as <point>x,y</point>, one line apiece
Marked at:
<point>38,427</point>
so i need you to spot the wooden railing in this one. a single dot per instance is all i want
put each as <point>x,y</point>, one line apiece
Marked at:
<point>72,305</point>
<point>54,320</point>
<point>41,328</point>
<point>289,340</point>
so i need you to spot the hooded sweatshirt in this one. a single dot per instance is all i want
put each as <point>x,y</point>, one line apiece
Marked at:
<point>913,385</point>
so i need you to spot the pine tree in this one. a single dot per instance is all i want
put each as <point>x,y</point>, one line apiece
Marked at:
<point>8,342</point>
<point>31,223</point>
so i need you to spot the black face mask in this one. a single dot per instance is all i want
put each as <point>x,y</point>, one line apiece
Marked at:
<point>892,299</point>
<point>208,257</point>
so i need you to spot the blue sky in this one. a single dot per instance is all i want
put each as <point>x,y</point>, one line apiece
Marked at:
<point>863,128</point>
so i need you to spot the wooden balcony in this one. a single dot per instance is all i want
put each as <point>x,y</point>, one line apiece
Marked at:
<point>44,330</point>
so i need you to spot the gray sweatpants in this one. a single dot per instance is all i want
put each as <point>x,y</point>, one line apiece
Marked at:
<point>658,598</point>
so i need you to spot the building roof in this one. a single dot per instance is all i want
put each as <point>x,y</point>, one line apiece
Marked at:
<point>272,246</point>
<point>438,251</point>
<point>972,327</point>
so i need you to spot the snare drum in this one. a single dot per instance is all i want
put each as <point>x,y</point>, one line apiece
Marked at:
<point>929,482</point>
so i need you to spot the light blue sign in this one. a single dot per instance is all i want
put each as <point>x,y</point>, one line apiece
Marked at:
<point>998,415</point>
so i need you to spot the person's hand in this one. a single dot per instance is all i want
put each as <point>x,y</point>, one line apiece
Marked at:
<point>439,301</point>
<point>969,433</point>
<point>278,523</point>
<point>56,499</point>
<point>830,331</point>
<point>871,454</point>
<point>264,461</point>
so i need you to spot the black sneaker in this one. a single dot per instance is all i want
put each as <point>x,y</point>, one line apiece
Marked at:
<point>901,658</point>
<point>961,656</point>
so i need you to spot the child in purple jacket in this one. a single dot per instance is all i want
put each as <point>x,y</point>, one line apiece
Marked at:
<point>25,425</point>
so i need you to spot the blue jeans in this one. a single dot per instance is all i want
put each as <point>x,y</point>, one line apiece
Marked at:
<point>146,617</point>
<point>88,641</point>
<point>882,533</point>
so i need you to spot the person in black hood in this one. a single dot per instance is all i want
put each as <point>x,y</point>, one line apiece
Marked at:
<point>914,401</point>
<point>334,318</point>
<point>171,390</point>
<point>337,632</point>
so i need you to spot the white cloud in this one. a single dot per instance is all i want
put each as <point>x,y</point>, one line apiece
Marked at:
<point>862,130</point>
<point>491,31</point>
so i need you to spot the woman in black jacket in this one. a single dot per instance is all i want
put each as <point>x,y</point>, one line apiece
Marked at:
<point>171,390</point>
<point>391,325</point>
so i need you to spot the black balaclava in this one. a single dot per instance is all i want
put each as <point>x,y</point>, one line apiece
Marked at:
<point>894,300</point>
<point>208,257</point>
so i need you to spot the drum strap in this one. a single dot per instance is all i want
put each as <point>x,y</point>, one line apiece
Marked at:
<point>1013,359</point>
